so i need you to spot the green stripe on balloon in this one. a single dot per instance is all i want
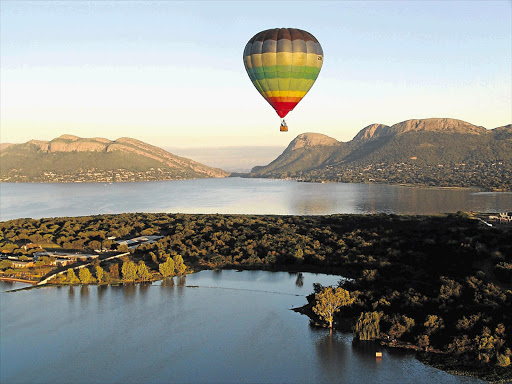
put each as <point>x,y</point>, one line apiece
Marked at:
<point>302,85</point>
<point>272,72</point>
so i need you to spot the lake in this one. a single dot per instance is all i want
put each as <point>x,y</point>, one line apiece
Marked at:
<point>210,327</point>
<point>239,196</point>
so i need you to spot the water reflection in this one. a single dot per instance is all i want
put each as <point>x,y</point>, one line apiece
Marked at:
<point>71,292</point>
<point>182,281</point>
<point>244,333</point>
<point>144,289</point>
<point>129,293</point>
<point>217,274</point>
<point>241,196</point>
<point>84,292</point>
<point>311,200</point>
<point>167,282</point>
<point>366,349</point>
<point>300,280</point>
<point>332,354</point>
<point>102,289</point>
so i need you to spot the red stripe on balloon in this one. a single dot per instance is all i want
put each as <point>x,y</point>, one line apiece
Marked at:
<point>282,107</point>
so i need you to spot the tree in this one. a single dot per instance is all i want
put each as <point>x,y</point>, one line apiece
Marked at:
<point>432,324</point>
<point>39,265</point>
<point>143,272</point>
<point>71,277</point>
<point>129,271</point>
<point>99,274</point>
<point>167,267</point>
<point>85,276</point>
<point>5,264</point>
<point>399,325</point>
<point>367,326</point>
<point>114,271</point>
<point>423,341</point>
<point>122,248</point>
<point>179,266</point>
<point>329,301</point>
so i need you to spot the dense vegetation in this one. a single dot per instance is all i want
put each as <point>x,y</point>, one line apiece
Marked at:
<point>439,283</point>
<point>416,158</point>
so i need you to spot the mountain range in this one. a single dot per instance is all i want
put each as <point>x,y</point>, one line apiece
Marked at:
<point>446,152</point>
<point>433,152</point>
<point>71,158</point>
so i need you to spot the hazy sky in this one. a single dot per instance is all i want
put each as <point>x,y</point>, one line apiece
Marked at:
<point>171,73</point>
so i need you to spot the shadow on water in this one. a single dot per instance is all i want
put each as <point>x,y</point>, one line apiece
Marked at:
<point>365,349</point>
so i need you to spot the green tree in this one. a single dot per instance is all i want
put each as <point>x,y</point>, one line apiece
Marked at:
<point>100,273</point>
<point>71,277</point>
<point>167,267</point>
<point>179,265</point>
<point>85,276</point>
<point>5,264</point>
<point>129,271</point>
<point>367,326</point>
<point>143,272</point>
<point>330,301</point>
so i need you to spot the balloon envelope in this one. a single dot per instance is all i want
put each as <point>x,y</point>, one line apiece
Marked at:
<point>283,64</point>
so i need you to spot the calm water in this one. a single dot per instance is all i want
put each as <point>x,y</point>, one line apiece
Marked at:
<point>236,195</point>
<point>216,326</point>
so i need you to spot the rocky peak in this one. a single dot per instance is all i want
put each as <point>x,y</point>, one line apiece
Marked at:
<point>68,137</point>
<point>419,125</point>
<point>371,131</point>
<point>311,140</point>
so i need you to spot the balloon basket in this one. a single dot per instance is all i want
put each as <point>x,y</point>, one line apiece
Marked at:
<point>283,128</point>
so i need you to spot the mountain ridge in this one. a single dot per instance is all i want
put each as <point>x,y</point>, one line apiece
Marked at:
<point>68,153</point>
<point>420,144</point>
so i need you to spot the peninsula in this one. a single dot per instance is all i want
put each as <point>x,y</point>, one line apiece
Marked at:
<point>437,284</point>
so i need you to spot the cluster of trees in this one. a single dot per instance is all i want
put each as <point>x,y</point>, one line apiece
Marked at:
<point>130,272</point>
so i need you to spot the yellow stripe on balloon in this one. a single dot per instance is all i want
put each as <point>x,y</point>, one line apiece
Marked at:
<point>283,58</point>
<point>278,93</point>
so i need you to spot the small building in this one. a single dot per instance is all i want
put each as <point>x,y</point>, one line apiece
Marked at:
<point>502,218</point>
<point>22,264</point>
<point>63,262</point>
<point>136,241</point>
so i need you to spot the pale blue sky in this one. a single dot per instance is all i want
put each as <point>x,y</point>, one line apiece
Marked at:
<point>171,73</point>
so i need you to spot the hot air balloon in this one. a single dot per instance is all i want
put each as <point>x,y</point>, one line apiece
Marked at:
<point>283,64</point>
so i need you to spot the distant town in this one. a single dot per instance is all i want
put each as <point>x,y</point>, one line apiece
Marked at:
<point>495,176</point>
<point>96,176</point>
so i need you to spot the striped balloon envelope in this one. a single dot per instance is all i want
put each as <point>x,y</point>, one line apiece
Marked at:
<point>283,64</point>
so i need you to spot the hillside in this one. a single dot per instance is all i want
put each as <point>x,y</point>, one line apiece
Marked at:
<point>438,152</point>
<point>73,159</point>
